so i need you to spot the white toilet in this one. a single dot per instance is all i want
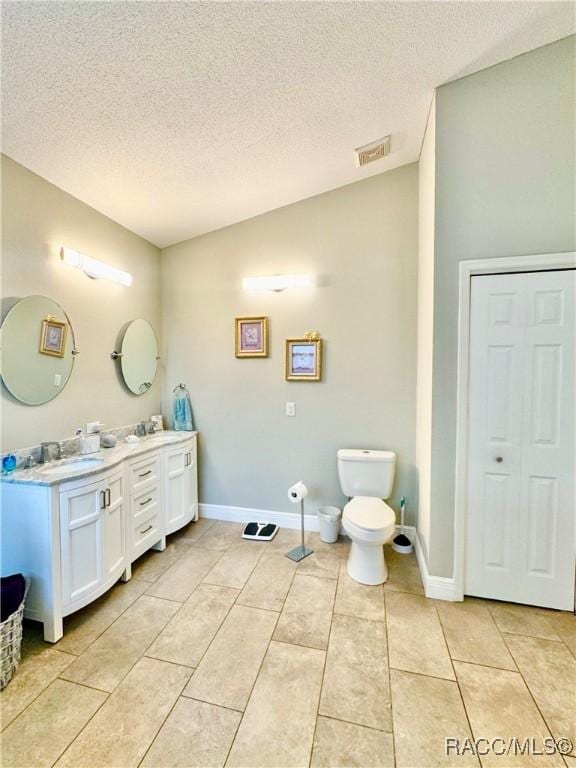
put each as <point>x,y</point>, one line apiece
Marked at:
<point>367,477</point>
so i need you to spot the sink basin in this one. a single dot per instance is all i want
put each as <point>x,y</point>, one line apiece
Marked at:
<point>164,438</point>
<point>72,465</point>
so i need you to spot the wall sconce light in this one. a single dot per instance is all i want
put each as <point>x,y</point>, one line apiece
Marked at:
<point>95,269</point>
<point>276,282</point>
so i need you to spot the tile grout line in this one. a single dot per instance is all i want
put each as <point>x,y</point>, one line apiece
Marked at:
<point>466,714</point>
<point>83,727</point>
<point>324,666</point>
<point>227,585</point>
<point>516,671</point>
<point>232,604</point>
<point>259,669</point>
<point>439,620</point>
<point>176,700</point>
<point>181,695</point>
<point>394,755</point>
<point>358,725</point>
<point>544,719</point>
<point>118,684</point>
<point>4,727</point>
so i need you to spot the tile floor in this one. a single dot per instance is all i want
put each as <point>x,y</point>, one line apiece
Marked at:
<point>224,652</point>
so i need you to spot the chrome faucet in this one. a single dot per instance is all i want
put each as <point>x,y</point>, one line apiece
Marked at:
<point>45,451</point>
<point>144,428</point>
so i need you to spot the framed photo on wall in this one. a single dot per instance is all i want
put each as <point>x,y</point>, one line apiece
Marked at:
<point>53,337</point>
<point>303,359</point>
<point>251,336</point>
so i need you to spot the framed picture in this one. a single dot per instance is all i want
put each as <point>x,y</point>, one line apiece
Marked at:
<point>303,359</point>
<point>53,337</point>
<point>251,336</point>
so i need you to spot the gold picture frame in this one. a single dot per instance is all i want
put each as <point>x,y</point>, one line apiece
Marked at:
<point>303,359</point>
<point>251,336</point>
<point>53,337</point>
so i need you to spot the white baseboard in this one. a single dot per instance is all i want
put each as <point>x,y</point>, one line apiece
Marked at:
<point>436,587</point>
<point>247,515</point>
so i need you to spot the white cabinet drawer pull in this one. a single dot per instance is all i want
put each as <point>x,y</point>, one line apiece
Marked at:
<point>145,473</point>
<point>142,503</point>
<point>147,529</point>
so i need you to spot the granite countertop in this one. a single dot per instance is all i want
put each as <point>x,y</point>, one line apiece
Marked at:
<point>110,457</point>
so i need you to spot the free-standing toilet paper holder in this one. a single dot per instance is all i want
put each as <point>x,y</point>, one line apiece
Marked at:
<point>297,493</point>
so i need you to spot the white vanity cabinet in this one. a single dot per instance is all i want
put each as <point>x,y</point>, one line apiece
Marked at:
<point>180,485</point>
<point>74,537</point>
<point>92,537</point>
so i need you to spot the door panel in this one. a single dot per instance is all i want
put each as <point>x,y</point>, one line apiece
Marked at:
<point>181,486</point>
<point>546,380</point>
<point>114,526</point>
<point>521,458</point>
<point>81,541</point>
<point>496,541</point>
<point>499,394</point>
<point>542,517</point>
<point>176,496</point>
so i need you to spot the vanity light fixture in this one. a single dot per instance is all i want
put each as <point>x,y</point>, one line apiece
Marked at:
<point>95,269</point>
<point>276,282</point>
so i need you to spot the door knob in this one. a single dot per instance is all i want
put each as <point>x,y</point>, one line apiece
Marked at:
<point>499,459</point>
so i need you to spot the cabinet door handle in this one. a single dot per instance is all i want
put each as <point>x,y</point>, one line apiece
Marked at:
<point>145,473</point>
<point>147,529</point>
<point>102,499</point>
<point>107,495</point>
<point>188,459</point>
<point>142,503</point>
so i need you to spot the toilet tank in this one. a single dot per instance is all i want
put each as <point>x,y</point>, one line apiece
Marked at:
<point>366,473</point>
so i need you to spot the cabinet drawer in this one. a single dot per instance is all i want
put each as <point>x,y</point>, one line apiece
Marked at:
<point>144,473</point>
<point>144,504</point>
<point>146,533</point>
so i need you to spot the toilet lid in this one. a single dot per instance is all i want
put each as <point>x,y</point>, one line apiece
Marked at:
<point>369,513</point>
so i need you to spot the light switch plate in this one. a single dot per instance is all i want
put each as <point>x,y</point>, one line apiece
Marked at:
<point>290,409</point>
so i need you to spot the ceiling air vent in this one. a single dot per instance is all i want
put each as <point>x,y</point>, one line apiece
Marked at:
<point>374,151</point>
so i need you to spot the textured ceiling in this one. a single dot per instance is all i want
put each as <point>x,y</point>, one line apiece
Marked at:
<point>177,118</point>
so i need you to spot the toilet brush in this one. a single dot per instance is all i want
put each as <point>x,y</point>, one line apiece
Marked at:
<point>401,543</point>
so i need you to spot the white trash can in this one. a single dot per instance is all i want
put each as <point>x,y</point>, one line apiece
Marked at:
<point>329,523</point>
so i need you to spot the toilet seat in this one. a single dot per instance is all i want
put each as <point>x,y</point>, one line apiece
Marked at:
<point>369,513</point>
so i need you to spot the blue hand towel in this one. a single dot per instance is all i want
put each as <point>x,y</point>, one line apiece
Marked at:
<point>183,413</point>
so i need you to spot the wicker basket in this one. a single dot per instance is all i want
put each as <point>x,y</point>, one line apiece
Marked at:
<point>11,643</point>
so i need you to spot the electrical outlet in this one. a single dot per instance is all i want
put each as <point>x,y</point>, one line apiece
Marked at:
<point>290,409</point>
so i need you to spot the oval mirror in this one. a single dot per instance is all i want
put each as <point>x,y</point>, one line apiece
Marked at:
<point>139,356</point>
<point>37,350</point>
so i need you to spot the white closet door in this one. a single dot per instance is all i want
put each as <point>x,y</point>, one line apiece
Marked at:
<point>521,457</point>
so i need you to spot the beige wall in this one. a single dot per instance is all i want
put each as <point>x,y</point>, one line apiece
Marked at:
<point>37,218</point>
<point>504,187</point>
<point>426,199</point>
<point>361,242</point>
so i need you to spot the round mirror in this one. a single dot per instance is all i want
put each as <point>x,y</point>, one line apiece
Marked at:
<point>37,350</point>
<point>139,356</point>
